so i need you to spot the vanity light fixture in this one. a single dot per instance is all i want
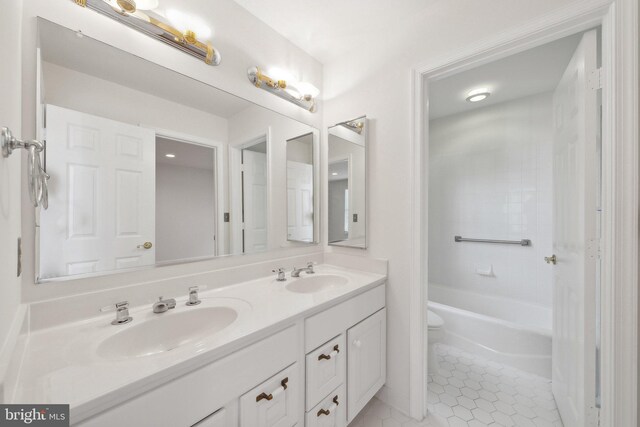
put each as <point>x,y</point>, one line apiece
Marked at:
<point>184,36</point>
<point>302,94</point>
<point>478,95</point>
<point>353,125</point>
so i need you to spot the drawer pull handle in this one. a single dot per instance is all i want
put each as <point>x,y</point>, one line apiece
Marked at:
<point>334,353</point>
<point>331,408</point>
<point>265,396</point>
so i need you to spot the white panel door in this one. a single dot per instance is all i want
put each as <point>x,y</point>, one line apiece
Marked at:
<point>575,239</point>
<point>299,201</point>
<point>255,201</point>
<point>101,195</point>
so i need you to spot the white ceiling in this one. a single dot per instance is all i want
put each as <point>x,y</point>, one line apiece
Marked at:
<point>528,73</point>
<point>187,155</point>
<point>331,28</point>
<point>63,47</point>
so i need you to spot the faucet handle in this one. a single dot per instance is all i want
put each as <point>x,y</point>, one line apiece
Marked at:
<point>122,312</point>
<point>281,274</point>
<point>193,296</point>
<point>114,307</point>
<point>310,265</point>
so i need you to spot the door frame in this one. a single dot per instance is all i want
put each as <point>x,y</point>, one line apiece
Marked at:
<point>619,291</point>
<point>235,198</point>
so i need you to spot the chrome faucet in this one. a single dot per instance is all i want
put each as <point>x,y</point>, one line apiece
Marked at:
<point>281,274</point>
<point>163,305</point>
<point>122,314</point>
<point>308,269</point>
<point>193,296</point>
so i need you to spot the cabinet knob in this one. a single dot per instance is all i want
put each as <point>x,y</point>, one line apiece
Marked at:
<point>551,259</point>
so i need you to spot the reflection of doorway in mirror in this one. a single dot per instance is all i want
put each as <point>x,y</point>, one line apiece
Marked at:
<point>339,207</point>
<point>300,215</point>
<point>186,204</point>
<point>254,197</point>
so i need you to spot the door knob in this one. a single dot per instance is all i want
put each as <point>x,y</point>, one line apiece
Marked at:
<point>551,259</point>
<point>146,245</point>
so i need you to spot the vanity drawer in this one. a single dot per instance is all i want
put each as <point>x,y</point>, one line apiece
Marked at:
<point>326,369</point>
<point>274,403</point>
<point>323,326</point>
<point>330,412</point>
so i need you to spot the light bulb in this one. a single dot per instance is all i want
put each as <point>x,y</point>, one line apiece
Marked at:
<point>478,95</point>
<point>185,22</point>
<point>147,4</point>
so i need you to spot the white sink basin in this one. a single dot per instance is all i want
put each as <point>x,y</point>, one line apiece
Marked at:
<point>166,332</point>
<point>316,283</point>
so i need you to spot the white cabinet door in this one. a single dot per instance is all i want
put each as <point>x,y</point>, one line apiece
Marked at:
<point>330,412</point>
<point>326,370</point>
<point>274,403</point>
<point>366,361</point>
<point>101,195</point>
<point>575,238</point>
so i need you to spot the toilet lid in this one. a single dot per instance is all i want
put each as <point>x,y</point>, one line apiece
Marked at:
<point>433,320</point>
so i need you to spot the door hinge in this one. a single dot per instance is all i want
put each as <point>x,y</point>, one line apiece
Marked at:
<point>595,79</point>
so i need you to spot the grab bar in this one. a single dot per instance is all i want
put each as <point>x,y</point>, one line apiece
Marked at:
<point>523,242</point>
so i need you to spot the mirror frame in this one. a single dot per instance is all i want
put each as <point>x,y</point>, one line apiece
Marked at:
<point>365,134</point>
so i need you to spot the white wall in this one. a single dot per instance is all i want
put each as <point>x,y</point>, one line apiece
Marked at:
<point>185,212</point>
<point>490,177</point>
<point>376,80</point>
<point>88,94</point>
<point>10,116</point>
<point>243,40</point>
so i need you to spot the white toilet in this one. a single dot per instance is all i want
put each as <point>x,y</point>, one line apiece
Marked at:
<point>435,328</point>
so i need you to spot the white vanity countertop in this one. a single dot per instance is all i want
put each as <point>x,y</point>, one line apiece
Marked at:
<point>63,364</point>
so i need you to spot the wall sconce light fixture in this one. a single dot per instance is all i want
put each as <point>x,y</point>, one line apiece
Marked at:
<point>135,14</point>
<point>300,93</point>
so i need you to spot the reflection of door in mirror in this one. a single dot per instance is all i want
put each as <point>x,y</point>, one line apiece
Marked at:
<point>339,209</point>
<point>101,201</point>
<point>347,184</point>
<point>185,195</point>
<point>254,197</point>
<point>300,188</point>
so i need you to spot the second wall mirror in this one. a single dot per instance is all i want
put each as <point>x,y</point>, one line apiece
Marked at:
<point>347,186</point>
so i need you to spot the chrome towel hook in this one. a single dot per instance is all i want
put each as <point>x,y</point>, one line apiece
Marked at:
<point>37,177</point>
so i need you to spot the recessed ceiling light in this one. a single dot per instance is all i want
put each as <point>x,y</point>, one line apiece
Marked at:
<point>334,173</point>
<point>170,155</point>
<point>478,95</point>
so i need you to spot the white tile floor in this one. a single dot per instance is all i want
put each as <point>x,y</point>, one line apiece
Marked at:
<point>470,391</point>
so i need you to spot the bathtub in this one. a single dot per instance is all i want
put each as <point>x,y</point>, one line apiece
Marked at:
<point>499,329</point>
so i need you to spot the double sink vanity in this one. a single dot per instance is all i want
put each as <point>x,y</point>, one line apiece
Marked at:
<point>307,350</point>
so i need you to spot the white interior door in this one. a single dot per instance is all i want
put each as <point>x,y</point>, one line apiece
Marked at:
<point>101,195</point>
<point>575,239</point>
<point>299,201</point>
<point>255,200</point>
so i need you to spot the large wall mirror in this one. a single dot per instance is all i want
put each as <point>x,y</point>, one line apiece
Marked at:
<point>347,186</point>
<point>148,166</point>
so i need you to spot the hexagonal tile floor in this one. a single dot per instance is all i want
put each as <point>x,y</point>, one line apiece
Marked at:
<point>470,391</point>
